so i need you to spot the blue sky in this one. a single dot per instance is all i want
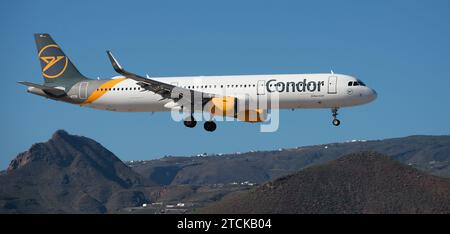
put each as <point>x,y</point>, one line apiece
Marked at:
<point>400,48</point>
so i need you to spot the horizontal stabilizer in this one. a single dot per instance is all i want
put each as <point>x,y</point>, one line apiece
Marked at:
<point>55,92</point>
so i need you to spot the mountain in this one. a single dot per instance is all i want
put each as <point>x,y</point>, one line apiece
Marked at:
<point>74,174</point>
<point>430,154</point>
<point>70,174</point>
<point>364,182</point>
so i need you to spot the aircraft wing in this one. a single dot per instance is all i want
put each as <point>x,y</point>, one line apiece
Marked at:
<point>164,89</point>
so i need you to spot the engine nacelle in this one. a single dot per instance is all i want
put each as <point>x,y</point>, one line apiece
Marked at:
<point>224,106</point>
<point>228,106</point>
<point>252,116</point>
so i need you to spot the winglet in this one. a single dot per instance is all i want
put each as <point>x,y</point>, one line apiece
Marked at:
<point>114,62</point>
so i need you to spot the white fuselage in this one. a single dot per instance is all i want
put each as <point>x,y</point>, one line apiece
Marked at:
<point>294,91</point>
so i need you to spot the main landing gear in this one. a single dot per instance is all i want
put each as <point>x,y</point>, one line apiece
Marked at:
<point>190,122</point>
<point>336,122</point>
<point>209,126</point>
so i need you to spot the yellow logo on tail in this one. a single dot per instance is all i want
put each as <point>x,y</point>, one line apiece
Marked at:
<point>51,61</point>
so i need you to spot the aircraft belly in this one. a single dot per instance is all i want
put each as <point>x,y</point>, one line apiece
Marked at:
<point>130,102</point>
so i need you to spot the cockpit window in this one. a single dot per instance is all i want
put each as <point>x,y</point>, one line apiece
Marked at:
<point>361,83</point>
<point>356,83</point>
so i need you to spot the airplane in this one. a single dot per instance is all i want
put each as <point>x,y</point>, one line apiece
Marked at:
<point>217,95</point>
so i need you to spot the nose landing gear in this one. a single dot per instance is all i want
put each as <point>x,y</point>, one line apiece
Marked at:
<point>336,122</point>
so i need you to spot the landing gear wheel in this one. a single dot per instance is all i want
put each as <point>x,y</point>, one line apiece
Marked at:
<point>336,122</point>
<point>210,126</point>
<point>190,122</point>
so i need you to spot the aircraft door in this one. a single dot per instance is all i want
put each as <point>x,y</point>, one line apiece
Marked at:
<point>261,87</point>
<point>332,85</point>
<point>83,92</point>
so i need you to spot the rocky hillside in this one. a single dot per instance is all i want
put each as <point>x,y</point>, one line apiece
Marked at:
<point>70,174</point>
<point>357,183</point>
<point>430,154</point>
<point>74,174</point>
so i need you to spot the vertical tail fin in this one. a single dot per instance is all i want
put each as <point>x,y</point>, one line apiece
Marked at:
<point>57,69</point>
